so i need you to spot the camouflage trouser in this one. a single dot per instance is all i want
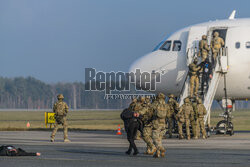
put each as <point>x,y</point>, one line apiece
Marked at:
<point>138,135</point>
<point>170,125</point>
<point>194,127</point>
<point>65,128</point>
<point>201,126</point>
<point>214,56</point>
<point>194,81</point>
<point>187,123</point>
<point>157,137</point>
<point>147,137</point>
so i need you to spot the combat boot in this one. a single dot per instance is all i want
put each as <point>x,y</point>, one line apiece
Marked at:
<point>181,137</point>
<point>147,151</point>
<point>66,140</point>
<point>163,152</point>
<point>136,152</point>
<point>157,154</point>
<point>195,137</point>
<point>204,137</point>
<point>152,151</point>
<point>128,152</point>
<point>52,139</point>
<point>188,137</point>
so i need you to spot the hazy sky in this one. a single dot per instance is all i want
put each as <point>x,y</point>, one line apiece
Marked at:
<point>54,40</point>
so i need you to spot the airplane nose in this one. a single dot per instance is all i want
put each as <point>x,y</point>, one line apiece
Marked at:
<point>145,64</point>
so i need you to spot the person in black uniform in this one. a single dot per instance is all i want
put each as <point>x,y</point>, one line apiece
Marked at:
<point>131,124</point>
<point>12,151</point>
<point>206,67</point>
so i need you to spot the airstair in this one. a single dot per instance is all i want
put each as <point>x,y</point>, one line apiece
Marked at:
<point>208,95</point>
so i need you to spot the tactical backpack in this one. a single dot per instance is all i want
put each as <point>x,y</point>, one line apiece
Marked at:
<point>60,109</point>
<point>161,111</point>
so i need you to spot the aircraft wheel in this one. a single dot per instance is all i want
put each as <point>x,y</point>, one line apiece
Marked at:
<point>231,128</point>
<point>221,127</point>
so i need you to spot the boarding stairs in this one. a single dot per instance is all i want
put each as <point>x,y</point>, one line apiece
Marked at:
<point>208,95</point>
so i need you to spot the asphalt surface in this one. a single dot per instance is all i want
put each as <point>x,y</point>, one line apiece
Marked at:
<point>104,148</point>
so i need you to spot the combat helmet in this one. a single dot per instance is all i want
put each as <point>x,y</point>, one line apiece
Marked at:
<point>161,96</point>
<point>147,98</point>
<point>171,96</point>
<point>186,100</point>
<point>195,60</point>
<point>134,99</point>
<point>199,101</point>
<point>204,37</point>
<point>142,99</point>
<point>60,96</point>
<point>216,34</point>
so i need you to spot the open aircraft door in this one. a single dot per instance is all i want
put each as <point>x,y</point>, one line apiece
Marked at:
<point>194,36</point>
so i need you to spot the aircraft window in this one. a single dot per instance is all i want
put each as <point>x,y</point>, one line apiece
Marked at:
<point>237,45</point>
<point>158,46</point>
<point>177,46</point>
<point>166,46</point>
<point>248,45</point>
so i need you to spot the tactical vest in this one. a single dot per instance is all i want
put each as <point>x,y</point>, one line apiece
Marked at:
<point>217,42</point>
<point>191,69</point>
<point>187,108</point>
<point>201,110</point>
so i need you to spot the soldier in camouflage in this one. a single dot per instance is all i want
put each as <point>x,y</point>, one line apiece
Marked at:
<point>193,118</point>
<point>203,48</point>
<point>159,124</point>
<point>139,105</point>
<point>60,109</point>
<point>174,108</point>
<point>183,117</point>
<point>201,112</point>
<point>216,44</point>
<point>194,78</point>
<point>146,113</point>
<point>132,104</point>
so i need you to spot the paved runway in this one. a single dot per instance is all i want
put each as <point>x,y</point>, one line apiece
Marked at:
<point>104,148</point>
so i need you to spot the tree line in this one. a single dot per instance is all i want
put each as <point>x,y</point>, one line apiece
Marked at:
<point>30,93</point>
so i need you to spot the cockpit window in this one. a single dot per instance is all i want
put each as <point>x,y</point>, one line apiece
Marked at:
<point>177,46</point>
<point>166,46</point>
<point>248,45</point>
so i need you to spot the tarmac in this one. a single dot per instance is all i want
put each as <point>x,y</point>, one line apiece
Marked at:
<point>105,148</point>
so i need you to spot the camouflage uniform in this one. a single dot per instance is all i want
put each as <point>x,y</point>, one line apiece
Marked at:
<point>193,119</point>
<point>203,48</point>
<point>201,112</point>
<point>194,79</point>
<point>132,105</point>
<point>216,43</point>
<point>174,108</point>
<point>184,117</point>
<point>159,124</point>
<point>60,109</point>
<point>146,112</point>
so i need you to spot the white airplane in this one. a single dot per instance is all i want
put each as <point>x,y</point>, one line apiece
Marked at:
<point>173,55</point>
<point>170,57</point>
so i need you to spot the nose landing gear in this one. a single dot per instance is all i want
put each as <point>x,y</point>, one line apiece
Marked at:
<point>226,126</point>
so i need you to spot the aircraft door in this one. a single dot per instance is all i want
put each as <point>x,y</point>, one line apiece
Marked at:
<point>194,36</point>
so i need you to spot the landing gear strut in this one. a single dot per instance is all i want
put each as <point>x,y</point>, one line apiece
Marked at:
<point>225,126</point>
